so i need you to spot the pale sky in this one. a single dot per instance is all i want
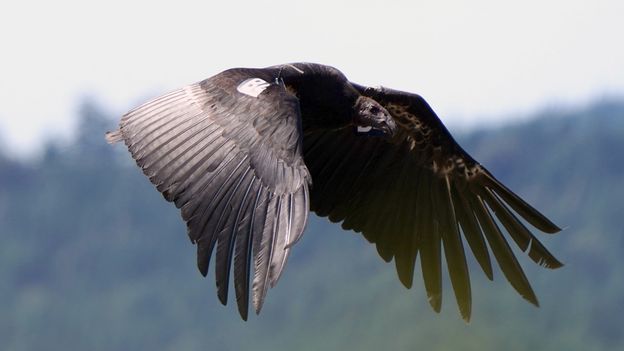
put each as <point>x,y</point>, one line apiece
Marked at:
<point>476,62</point>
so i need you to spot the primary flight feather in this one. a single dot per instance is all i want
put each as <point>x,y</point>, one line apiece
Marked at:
<point>247,153</point>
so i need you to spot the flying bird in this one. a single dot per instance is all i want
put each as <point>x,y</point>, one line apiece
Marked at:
<point>248,153</point>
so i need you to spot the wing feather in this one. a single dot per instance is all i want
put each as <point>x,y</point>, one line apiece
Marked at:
<point>233,164</point>
<point>420,192</point>
<point>454,249</point>
<point>264,253</point>
<point>505,257</point>
<point>472,231</point>
<point>525,210</point>
<point>227,236</point>
<point>405,255</point>
<point>242,258</point>
<point>521,235</point>
<point>430,256</point>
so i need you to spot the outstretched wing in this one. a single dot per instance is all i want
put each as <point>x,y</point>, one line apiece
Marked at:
<point>228,152</point>
<point>418,193</point>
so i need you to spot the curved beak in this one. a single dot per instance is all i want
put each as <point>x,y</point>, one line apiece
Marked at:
<point>371,118</point>
<point>385,127</point>
<point>389,127</point>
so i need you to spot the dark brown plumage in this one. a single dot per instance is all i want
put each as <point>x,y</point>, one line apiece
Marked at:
<point>247,153</point>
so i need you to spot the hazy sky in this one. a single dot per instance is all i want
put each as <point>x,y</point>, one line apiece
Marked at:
<point>474,61</point>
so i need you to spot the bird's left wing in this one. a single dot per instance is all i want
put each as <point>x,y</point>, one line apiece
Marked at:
<point>418,193</point>
<point>228,152</point>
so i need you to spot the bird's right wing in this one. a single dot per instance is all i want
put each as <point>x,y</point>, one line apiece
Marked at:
<point>418,193</point>
<point>227,152</point>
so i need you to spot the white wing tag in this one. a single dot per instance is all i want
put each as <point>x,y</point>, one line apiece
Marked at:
<point>252,86</point>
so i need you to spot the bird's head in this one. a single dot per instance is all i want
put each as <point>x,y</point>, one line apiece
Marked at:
<point>372,118</point>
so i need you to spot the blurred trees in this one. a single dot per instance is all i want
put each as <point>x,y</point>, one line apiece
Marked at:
<point>92,257</point>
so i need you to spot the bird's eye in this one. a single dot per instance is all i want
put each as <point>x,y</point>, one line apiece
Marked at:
<point>374,109</point>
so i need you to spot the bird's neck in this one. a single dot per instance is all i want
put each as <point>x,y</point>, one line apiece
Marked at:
<point>325,99</point>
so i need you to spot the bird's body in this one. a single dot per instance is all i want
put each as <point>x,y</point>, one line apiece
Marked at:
<point>246,154</point>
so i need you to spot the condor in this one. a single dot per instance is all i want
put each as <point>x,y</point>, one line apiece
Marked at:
<point>248,153</point>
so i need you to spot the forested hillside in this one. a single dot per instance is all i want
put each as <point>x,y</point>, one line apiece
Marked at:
<point>92,258</point>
